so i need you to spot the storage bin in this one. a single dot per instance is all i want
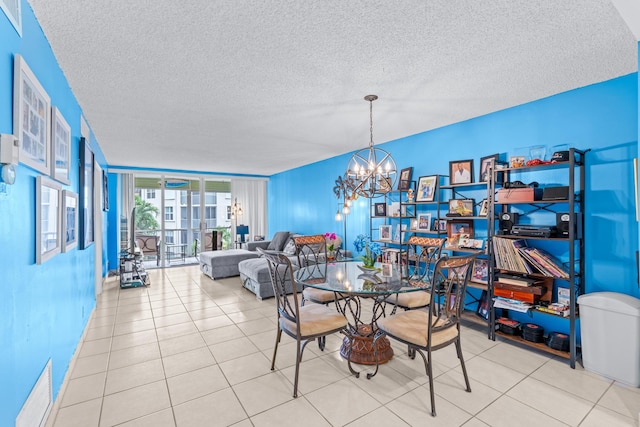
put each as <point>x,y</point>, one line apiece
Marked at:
<point>610,328</point>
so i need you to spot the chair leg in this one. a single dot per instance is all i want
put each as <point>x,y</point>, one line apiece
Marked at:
<point>275,349</point>
<point>322,342</point>
<point>429,370</point>
<point>464,369</point>
<point>298,357</point>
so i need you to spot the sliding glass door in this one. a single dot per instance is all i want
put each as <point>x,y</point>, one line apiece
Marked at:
<point>175,215</point>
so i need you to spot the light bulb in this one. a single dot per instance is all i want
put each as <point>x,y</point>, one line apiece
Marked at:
<point>348,202</point>
<point>346,210</point>
<point>338,215</point>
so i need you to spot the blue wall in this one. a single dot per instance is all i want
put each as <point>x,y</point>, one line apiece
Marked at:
<point>601,117</point>
<point>44,308</point>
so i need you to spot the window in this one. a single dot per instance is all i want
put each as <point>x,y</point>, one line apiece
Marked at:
<point>210,216</point>
<point>151,194</point>
<point>168,213</point>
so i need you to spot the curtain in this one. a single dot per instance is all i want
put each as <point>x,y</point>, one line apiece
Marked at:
<point>252,197</point>
<point>127,204</point>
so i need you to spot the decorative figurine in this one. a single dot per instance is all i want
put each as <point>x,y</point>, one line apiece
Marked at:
<point>410,195</point>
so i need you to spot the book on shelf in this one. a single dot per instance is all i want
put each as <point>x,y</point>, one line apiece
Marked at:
<point>555,309</point>
<point>564,296</point>
<point>511,304</point>
<point>511,279</point>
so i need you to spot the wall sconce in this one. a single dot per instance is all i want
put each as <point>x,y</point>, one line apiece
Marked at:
<point>9,150</point>
<point>236,209</point>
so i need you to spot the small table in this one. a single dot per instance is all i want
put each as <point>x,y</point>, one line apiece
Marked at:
<point>353,282</point>
<point>175,251</point>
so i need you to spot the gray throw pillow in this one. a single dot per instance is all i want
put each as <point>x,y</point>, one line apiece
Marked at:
<point>278,241</point>
<point>289,248</point>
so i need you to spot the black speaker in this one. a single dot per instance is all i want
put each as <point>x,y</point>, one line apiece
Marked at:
<point>506,220</point>
<point>563,224</point>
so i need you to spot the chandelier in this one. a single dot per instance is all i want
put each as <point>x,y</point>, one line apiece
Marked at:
<point>373,170</point>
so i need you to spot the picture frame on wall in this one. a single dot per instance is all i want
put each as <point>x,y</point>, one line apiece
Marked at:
<point>105,191</point>
<point>461,171</point>
<point>86,195</point>
<point>380,209</point>
<point>69,221</point>
<point>13,10</point>
<point>487,164</point>
<point>404,183</point>
<point>48,239</point>
<point>427,187</point>
<point>60,147</point>
<point>31,118</point>
<point>441,225</point>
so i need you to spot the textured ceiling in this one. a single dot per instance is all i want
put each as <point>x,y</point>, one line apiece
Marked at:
<point>262,86</point>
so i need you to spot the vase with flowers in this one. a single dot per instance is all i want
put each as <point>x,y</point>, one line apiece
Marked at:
<point>331,238</point>
<point>371,250</point>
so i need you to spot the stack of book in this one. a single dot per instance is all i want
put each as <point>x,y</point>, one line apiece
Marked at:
<point>514,280</point>
<point>555,308</point>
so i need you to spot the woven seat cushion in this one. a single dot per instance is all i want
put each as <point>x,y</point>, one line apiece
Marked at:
<point>411,326</point>
<point>315,319</point>
<point>318,295</point>
<point>410,299</point>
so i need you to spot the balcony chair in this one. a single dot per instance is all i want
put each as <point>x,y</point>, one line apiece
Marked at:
<point>302,323</point>
<point>437,327</point>
<point>149,245</point>
<point>422,254</point>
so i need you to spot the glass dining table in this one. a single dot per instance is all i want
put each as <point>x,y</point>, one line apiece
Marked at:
<point>361,291</point>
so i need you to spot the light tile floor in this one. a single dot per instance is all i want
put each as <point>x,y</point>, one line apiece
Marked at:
<point>190,351</point>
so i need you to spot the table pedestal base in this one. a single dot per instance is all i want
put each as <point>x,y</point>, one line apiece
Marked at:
<point>362,351</point>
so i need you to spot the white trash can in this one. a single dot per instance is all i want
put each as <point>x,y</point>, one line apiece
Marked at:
<point>610,329</point>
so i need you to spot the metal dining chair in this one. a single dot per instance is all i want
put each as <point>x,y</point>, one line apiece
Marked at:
<point>312,253</point>
<point>302,323</point>
<point>422,255</point>
<point>439,326</point>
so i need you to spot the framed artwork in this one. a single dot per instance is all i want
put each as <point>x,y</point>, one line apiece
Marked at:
<point>385,232</point>
<point>427,186</point>
<point>387,270</point>
<point>13,10</point>
<point>483,305</point>
<point>380,209</point>
<point>424,222</point>
<point>384,184</point>
<point>60,147</point>
<point>441,225</point>
<point>69,229</point>
<point>48,240</point>
<point>457,230</point>
<point>86,194</point>
<point>487,163</point>
<point>31,118</point>
<point>461,207</point>
<point>484,208</point>
<point>461,171</point>
<point>405,178</point>
<point>105,191</point>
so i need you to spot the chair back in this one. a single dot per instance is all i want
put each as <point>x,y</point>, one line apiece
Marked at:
<point>449,281</point>
<point>281,273</point>
<point>311,250</point>
<point>149,245</point>
<point>422,254</point>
